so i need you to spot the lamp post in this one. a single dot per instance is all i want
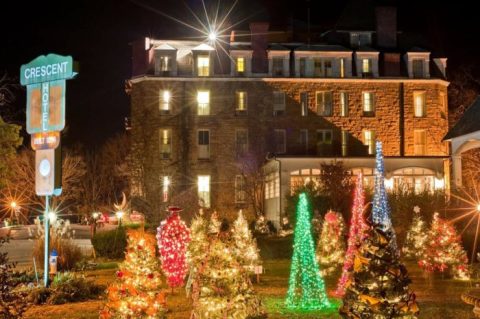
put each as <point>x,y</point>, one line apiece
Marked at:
<point>119,215</point>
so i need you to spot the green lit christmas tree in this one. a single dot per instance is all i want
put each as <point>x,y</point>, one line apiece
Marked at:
<point>306,289</point>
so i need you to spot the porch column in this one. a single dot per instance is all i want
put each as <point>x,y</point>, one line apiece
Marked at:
<point>457,171</point>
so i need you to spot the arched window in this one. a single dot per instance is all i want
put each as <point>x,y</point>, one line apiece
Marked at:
<point>301,177</point>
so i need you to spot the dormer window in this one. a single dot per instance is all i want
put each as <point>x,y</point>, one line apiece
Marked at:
<point>240,65</point>
<point>277,66</point>
<point>417,68</point>
<point>203,65</point>
<point>165,63</point>
<point>366,66</point>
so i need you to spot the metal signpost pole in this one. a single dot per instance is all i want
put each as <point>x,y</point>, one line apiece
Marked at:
<point>46,223</point>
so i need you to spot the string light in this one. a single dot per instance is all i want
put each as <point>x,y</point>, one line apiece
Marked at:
<point>381,208</point>
<point>173,237</point>
<point>244,244</point>
<point>306,288</point>
<point>416,237</point>
<point>358,231</point>
<point>331,245</point>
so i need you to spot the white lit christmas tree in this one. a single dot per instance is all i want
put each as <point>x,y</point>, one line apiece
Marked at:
<point>416,237</point>
<point>331,245</point>
<point>245,246</point>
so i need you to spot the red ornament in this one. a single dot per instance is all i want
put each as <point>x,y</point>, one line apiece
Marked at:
<point>139,247</point>
<point>119,274</point>
<point>150,276</point>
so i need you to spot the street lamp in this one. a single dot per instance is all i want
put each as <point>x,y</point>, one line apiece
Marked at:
<point>52,216</point>
<point>478,208</point>
<point>119,215</point>
<point>13,204</point>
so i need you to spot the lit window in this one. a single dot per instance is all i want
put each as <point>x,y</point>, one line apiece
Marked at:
<point>272,185</point>
<point>343,104</point>
<point>304,103</point>
<point>324,103</point>
<point>419,142</point>
<point>368,104</point>
<point>278,103</point>
<point>203,63</point>
<point>203,144</point>
<point>366,66</point>
<point>240,193</point>
<point>240,65</point>
<point>203,99</point>
<point>165,143</point>
<point>165,187</point>
<point>369,140</point>
<point>342,68</point>
<point>165,100</point>
<point>203,185</point>
<point>241,101</point>
<point>165,63</point>
<point>419,104</point>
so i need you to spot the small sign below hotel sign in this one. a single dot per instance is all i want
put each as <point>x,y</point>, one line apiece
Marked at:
<point>43,141</point>
<point>45,80</point>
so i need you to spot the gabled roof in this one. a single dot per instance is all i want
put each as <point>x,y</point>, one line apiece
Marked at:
<point>203,47</point>
<point>468,123</point>
<point>164,46</point>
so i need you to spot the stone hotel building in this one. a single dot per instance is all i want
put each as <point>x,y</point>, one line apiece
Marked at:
<point>201,115</point>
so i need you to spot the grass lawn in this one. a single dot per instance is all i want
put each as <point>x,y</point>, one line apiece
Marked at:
<point>437,299</point>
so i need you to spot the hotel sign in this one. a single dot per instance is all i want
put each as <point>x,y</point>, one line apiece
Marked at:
<point>45,80</point>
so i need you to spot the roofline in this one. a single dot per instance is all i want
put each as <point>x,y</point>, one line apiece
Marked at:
<point>228,78</point>
<point>279,157</point>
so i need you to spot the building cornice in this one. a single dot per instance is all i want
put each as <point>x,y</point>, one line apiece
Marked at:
<point>295,80</point>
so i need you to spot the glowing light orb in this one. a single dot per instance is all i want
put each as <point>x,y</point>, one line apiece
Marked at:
<point>212,36</point>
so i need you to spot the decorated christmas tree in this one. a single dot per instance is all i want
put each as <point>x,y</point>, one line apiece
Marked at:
<point>136,293</point>
<point>358,231</point>
<point>221,288</point>
<point>215,223</point>
<point>197,248</point>
<point>416,237</point>
<point>173,237</point>
<point>331,245</point>
<point>306,289</point>
<point>444,251</point>
<point>245,246</point>
<point>379,284</point>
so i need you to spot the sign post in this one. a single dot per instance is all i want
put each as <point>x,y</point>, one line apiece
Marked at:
<point>45,78</point>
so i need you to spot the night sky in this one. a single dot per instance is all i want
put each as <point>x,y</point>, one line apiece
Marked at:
<point>97,34</point>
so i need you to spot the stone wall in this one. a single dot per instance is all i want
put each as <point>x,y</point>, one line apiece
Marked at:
<point>184,165</point>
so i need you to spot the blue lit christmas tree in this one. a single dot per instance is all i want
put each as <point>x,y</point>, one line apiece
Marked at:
<point>381,208</point>
<point>306,289</point>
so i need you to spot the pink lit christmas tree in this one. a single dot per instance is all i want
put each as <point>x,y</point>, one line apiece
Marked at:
<point>358,230</point>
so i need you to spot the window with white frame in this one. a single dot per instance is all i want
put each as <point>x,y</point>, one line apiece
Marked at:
<point>304,103</point>
<point>203,65</point>
<point>272,185</point>
<point>327,68</point>
<point>343,104</point>
<point>278,103</point>
<point>203,186</point>
<point>203,102</point>
<point>240,65</point>
<point>240,189</point>
<point>277,66</point>
<point>165,97</point>
<point>344,143</point>
<point>324,137</point>
<point>241,103</point>
<point>366,66</point>
<point>317,67</point>
<point>368,101</point>
<point>369,140</point>
<point>165,143</point>
<point>165,63</point>
<point>324,103</point>
<point>165,188</point>
<point>303,67</point>
<point>302,177</point>
<point>419,104</point>
<point>203,144</point>
<point>280,137</point>
<point>323,67</point>
<point>419,142</point>
<point>417,68</point>
<point>241,142</point>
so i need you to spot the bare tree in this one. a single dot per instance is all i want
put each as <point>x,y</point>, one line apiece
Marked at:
<point>254,178</point>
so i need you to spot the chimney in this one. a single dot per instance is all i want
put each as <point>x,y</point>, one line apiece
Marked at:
<point>142,56</point>
<point>259,40</point>
<point>386,25</point>
<point>391,64</point>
